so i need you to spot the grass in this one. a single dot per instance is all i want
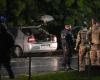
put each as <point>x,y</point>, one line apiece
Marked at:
<point>61,75</point>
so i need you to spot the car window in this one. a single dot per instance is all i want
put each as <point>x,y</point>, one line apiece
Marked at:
<point>31,31</point>
<point>39,33</point>
<point>27,31</point>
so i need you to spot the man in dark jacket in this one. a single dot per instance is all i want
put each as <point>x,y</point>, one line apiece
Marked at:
<point>67,46</point>
<point>6,43</point>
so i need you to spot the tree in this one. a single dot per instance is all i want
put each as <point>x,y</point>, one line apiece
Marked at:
<point>23,11</point>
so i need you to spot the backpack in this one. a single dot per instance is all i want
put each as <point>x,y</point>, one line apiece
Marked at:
<point>84,37</point>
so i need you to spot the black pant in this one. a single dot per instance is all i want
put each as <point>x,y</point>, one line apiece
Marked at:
<point>67,53</point>
<point>67,59</point>
<point>6,63</point>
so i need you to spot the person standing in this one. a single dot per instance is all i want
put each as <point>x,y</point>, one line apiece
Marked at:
<point>6,43</point>
<point>82,45</point>
<point>95,43</point>
<point>67,45</point>
<point>93,23</point>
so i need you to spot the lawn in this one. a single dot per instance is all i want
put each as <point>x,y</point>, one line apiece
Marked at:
<point>61,75</point>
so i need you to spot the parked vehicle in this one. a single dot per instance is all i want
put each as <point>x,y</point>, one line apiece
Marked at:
<point>33,39</point>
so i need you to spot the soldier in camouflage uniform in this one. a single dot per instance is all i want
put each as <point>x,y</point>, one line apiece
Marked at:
<point>95,43</point>
<point>82,45</point>
<point>67,46</point>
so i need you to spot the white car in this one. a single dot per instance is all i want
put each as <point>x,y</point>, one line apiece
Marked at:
<point>33,39</point>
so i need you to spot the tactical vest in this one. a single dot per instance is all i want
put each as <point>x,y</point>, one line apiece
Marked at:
<point>96,36</point>
<point>63,33</point>
<point>83,36</point>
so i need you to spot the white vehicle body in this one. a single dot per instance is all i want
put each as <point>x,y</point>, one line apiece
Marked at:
<point>33,40</point>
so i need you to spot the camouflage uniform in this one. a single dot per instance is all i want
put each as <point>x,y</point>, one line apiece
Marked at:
<point>95,47</point>
<point>83,44</point>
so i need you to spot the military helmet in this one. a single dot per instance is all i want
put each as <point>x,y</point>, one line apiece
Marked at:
<point>68,21</point>
<point>85,24</point>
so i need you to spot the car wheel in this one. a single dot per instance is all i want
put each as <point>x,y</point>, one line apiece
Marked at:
<point>18,51</point>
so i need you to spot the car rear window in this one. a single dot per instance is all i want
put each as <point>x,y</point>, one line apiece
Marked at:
<point>39,33</point>
<point>27,31</point>
<point>34,31</point>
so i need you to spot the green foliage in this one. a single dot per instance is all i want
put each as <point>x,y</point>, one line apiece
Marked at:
<point>69,3</point>
<point>2,7</point>
<point>80,4</point>
<point>23,11</point>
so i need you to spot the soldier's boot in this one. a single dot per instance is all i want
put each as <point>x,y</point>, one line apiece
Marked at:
<point>93,57</point>
<point>87,59</point>
<point>81,65</point>
<point>98,57</point>
<point>81,68</point>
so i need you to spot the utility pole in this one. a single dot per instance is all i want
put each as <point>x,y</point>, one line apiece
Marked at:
<point>0,72</point>
<point>29,67</point>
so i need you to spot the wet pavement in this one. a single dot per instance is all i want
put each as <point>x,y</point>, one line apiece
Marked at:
<point>38,64</point>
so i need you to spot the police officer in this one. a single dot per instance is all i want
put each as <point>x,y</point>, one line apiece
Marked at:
<point>67,45</point>
<point>82,45</point>
<point>6,43</point>
<point>95,43</point>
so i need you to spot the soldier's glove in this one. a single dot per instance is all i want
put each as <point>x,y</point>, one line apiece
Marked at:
<point>76,50</point>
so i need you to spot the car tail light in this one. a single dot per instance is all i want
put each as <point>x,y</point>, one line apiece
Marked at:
<point>53,38</point>
<point>31,39</point>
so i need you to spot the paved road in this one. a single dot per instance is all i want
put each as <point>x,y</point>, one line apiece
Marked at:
<point>38,64</point>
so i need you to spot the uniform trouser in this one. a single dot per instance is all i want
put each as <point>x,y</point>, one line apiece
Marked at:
<point>95,54</point>
<point>67,57</point>
<point>6,63</point>
<point>83,51</point>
